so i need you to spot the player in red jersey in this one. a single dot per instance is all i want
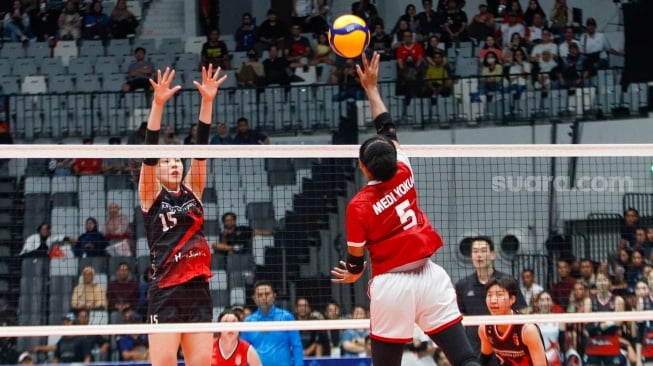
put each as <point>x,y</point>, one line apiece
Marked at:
<point>385,218</point>
<point>229,349</point>
<point>173,213</point>
<point>513,344</point>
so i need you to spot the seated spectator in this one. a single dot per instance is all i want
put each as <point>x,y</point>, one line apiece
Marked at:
<point>271,32</point>
<point>573,73</point>
<point>596,47</point>
<point>455,24</point>
<point>96,23</point>
<point>514,7</point>
<point>534,32</point>
<point>38,245</point>
<point>520,73</point>
<point>223,137</point>
<point>398,35</point>
<point>214,51</point>
<point>546,45</point>
<point>227,344</point>
<point>491,74</point>
<point>98,344</point>
<point>26,358</point>
<point>491,46</point>
<point>117,230</point>
<point>332,312</point>
<point>511,27</point>
<point>353,340</point>
<point>122,22</point>
<point>322,52</point>
<point>168,136</point>
<point>92,243</point>
<point>245,34</point>
<point>437,78</point>
<point>516,42</point>
<point>43,21</point>
<point>409,48</point>
<point>87,166</point>
<point>246,136</point>
<point>482,24</point>
<point>410,17</point>
<point>348,82</point>
<point>61,167</point>
<point>550,331</point>
<point>534,9</point>
<point>569,38</point>
<point>72,348</point>
<point>629,226</point>
<point>276,68</point>
<point>365,10</point>
<point>139,73</point>
<point>529,287</point>
<point>634,272</point>
<point>17,24</point>
<point>381,42</point>
<point>410,62</point>
<point>314,342</point>
<point>433,45</point>
<point>133,347</point>
<point>298,50</point>
<point>88,294</point>
<point>191,138</point>
<point>428,20</point>
<point>561,16</point>
<point>70,22</point>
<point>577,298</point>
<point>236,238</point>
<point>115,166</point>
<point>546,67</point>
<point>122,293</point>
<point>251,73</point>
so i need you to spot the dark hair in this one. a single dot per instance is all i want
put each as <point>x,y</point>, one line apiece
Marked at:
<point>408,7</point>
<point>260,283</point>
<point>486,239</point>
<point>505,282</point>
<point>631,209</point>
<point>228,312</point>
<point>224,216</point>
<point>242,119</point>
<point>139,49</point>
<point>487,54</point>
<point>272,11</point>
<point>379,155</point>
<point>529,270</point>
<point>246,14</point>
<point>115,140</point>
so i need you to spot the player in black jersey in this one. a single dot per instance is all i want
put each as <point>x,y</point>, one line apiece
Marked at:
<point>174,215</point>
<point>513,344</point>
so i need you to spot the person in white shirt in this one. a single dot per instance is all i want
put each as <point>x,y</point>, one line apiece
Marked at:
<point>546,45</point>
<point>596,47</point>
<point>510,28</point>
<point>528,286</point>
<point>535,31</point>
<point>563,48</point>
<point>546,66</point>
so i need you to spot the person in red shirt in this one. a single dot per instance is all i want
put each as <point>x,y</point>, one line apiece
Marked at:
<point>385,218</point>
<point>87,166</point>
<point>229,349</point>
<point>409,48</point>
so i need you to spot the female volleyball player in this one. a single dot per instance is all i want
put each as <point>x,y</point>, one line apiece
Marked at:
<point>644,342</point>
<point>384,217</point>
<point>513,344</point>
<point>179,252</point>
<point>229,349</point>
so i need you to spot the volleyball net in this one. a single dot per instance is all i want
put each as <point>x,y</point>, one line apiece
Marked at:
<point>538,203</point>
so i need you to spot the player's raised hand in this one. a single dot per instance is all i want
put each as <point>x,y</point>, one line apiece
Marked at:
<point>341,275</point>
<point>161,87</point>
<point>368,75</point>
<point>211,82</point>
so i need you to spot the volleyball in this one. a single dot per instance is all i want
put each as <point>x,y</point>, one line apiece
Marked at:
<point>349,36</point>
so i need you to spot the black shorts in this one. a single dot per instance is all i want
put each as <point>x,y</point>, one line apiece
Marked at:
<point>139,84</point>
<point>189,302</point>
<point>604,360</point>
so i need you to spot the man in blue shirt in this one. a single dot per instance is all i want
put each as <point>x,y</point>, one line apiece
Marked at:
<point>276,348</point>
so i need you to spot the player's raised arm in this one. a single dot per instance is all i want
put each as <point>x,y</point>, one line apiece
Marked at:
<point>368,76</point>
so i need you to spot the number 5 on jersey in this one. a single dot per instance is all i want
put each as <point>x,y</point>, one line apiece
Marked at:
<point>168,221</point>
<point>406,215</point>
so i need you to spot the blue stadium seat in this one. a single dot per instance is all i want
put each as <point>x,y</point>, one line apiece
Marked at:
<point>51,66</point>
<point>80,65</point>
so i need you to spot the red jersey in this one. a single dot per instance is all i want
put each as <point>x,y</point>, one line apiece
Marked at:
<point>237,358</point>
<point>385,217</point>
<point>88,166</point>
<point>603,344</point>
<point>415,50</point>
<point>645,331</point>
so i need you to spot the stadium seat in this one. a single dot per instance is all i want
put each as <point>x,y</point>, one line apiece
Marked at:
<point>238,58</point>
<point>61,83</point>
<point>24,66</point>
<point>135,8</point>
<point>162,60</point>
<point>87,83</point>
<point>125,198</point>
<point>64,267</point>
<point>80,65</point>
<point>171,46</point>
<point>39,50</point>
<point>237,296</point>
<point>113,82</point>
<point>34,85</point>
<point>92,49</point>
<point>119,48</point>
<point>51,67</point>
<point>259,243</point>
<point>187,62</point>
<point>388,70</point>
<point>219,280</point>
<point>194,45</point>
<point>65,221</point>
<point>149,44</point>
<point>12,50</point>
<point>107,65</point>
<point>65,50</point>
<point>37,185</point>
<point>142,248</point>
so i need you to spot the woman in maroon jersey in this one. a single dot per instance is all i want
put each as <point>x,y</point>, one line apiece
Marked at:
<point>384,218</point>
<point>173,213</point>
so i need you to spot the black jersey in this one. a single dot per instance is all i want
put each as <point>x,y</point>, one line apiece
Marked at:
<point>179,250</point>
<point>645,331</point>
<point>509,347</point>
<point>605,343</point>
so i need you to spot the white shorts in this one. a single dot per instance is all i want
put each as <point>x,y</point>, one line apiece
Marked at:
<point>399,300</point>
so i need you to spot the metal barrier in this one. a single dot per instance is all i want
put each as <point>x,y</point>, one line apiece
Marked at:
<point>308,108</point>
